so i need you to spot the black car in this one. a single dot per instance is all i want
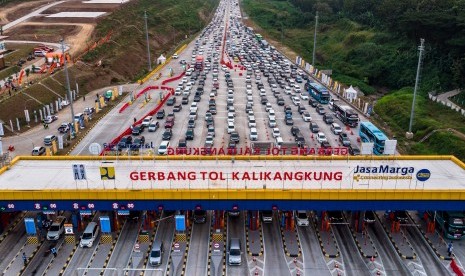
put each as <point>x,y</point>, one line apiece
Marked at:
<point>235,137</point>
<point>280,101</point>
<point>137,130</point>
<point>185,100</point>
<point>212,110</point>
<point>182,146</point>
<point>369,217</point>
<point>328,119</point>
<point>301,109</point>
<point>177,108</point>
<point>312,102</point>
<point>161,114</point>
<point>401,216</point>
<point>167,134</point>
<point>314,127</point>
<point>295,130</point>
<point>344,139</point>
<point>334,217</point>
<point>289,121</point>
<point>125,142</point>
<point>190,134</point>
<point>200,216</point>
<point>171,101</point>
<point>353,150</point>
<point>300,140</point>
<point>138,142</point>
<point>197,98</point>
<point>263,100</point>
<point>191,123</point>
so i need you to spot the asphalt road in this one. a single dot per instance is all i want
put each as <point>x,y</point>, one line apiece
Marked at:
<point>275,263</point>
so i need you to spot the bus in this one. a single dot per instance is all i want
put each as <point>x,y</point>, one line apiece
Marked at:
<point>370,133</point>
<point>318,92</point>
<point>346,114</point>
<point>452,224</point>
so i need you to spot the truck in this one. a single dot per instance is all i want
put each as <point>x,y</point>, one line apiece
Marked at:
<point>198,63</point>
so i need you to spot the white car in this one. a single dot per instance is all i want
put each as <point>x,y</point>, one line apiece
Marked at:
<point>163,148</point>
<point>175,56</point>
<point>272,122</point>
<point>209,141</point>
<point>304,96</point>
<point>301,218</point>
<point>253,134</point>
<point>268,107</point>
<point>276,132</point>
<point>320,137</point>
<point>296,100</point>
<point>306,116</point>
<point>336,128</point>
<point>146,121</point>
<point>287,90</point>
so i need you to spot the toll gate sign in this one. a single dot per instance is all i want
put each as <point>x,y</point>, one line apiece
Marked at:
<point>180,223</point>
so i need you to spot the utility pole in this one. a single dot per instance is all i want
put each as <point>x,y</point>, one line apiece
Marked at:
<point>314,39</point>
<point>421,48</point>
<point>147,38</point>
<point>68,89</point>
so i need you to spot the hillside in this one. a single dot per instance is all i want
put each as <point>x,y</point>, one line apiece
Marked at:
<point>124,58</point>
<point>373,45</point>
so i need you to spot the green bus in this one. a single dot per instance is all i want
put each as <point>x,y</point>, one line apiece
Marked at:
<point>452,223</point>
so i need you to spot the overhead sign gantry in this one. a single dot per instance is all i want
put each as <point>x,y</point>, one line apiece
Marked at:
<point>224,182</point>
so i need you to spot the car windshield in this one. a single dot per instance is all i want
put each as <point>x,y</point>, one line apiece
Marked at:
<point>235,252</point>
<point>155,254</point>
<point>302,215</point>
<point>87,236</point>
<point>54,228</point>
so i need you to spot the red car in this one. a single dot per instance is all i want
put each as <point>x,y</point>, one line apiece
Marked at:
<point>169,123</point>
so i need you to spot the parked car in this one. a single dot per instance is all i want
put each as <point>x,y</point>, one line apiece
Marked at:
<point>63,128</point>
<point>37,151</point>
<point>50,119</point>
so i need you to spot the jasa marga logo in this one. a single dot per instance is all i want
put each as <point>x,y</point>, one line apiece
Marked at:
<point>423,175</point>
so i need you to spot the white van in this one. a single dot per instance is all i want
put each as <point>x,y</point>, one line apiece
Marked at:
<point>156,254</point>
<point>89,235</point>
<point>56,229</point>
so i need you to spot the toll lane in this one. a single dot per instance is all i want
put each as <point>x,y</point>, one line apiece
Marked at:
<point>123,248</point>
<point>235,229</point>
<point>313,260</point>
<point>353,263</point>
<point>275,263</point>
<point>391,260</point>
<point>165,235</point>
<point>197,257</point>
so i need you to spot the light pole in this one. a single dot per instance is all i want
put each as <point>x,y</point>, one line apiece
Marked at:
<point>147,38</point>
<point>68,89</point>
<point>421,48</point>
<point>314,39</point>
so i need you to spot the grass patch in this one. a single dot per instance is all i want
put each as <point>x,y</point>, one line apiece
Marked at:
<point>459,99</point>
<point>21,51</point>
<point>394,109</point>
<point>7,72</point>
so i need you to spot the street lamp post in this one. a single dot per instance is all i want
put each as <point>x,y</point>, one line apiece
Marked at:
<point>421,48</point>
<point>68,89</point>
<point>147,39</point>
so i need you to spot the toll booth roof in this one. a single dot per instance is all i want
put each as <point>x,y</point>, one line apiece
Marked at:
<point>195,172</point>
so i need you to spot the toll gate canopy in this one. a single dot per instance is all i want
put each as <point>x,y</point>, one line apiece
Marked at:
<point>234,182</point>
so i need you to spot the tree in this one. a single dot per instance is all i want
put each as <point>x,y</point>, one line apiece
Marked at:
<point>28,71</point>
